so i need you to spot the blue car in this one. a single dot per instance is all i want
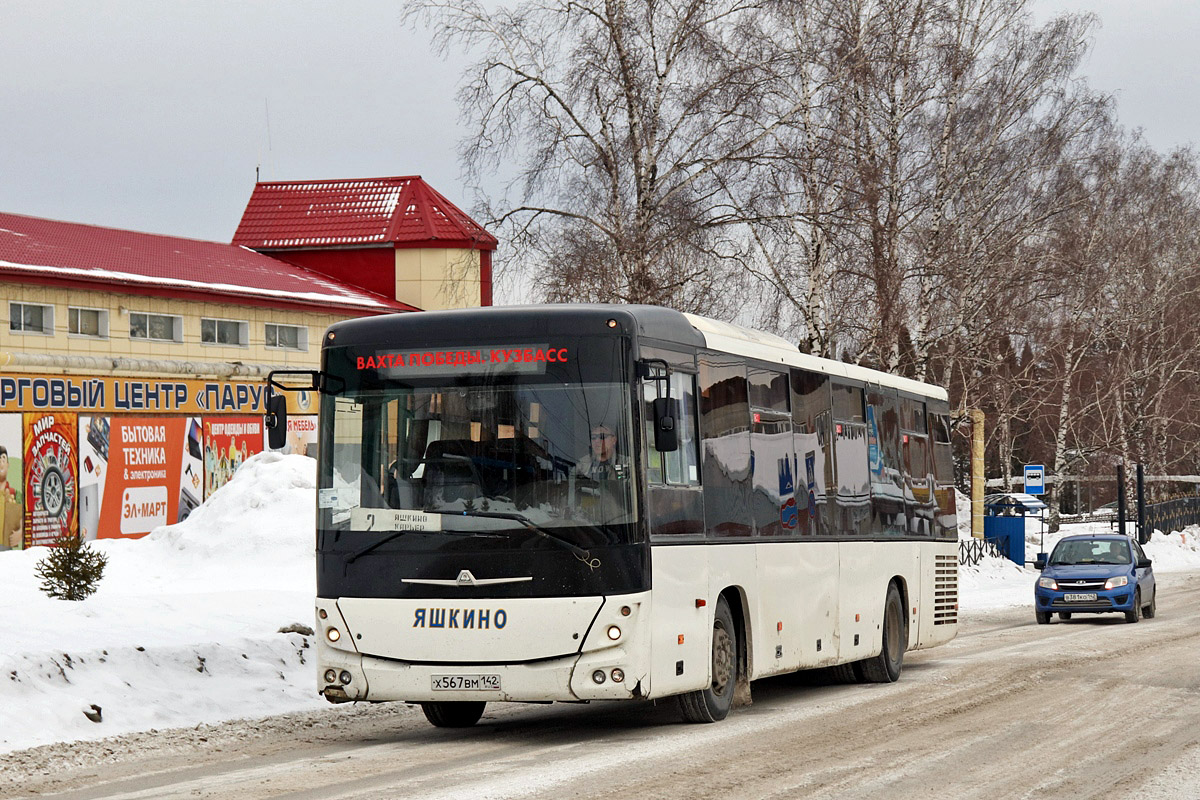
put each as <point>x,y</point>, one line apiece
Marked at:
<point>1095,574</point>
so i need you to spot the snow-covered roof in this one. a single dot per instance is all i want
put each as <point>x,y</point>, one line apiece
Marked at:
<point>402,210</point>
<point>39,250</point>
<point>1015,499</point>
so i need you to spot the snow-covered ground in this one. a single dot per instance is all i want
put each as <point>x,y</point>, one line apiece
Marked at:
<point>185,628</point>
<point>1000,583</point>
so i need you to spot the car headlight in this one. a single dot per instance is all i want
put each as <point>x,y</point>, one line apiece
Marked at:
<point>1113,583</point>
<point>1048,583</point>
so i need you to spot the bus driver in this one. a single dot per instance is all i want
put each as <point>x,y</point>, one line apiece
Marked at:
<point>602,462</point>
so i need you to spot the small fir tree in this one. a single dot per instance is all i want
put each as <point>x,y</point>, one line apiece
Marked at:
<point>71,570</point>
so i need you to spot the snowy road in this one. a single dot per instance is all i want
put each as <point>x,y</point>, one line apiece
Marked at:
<point>1088,708</point>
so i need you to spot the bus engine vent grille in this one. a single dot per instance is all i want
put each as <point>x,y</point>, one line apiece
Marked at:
<point>945,590</point>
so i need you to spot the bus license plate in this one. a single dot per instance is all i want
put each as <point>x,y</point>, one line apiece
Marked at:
<point>1083,597</point>
<point>466,683</point>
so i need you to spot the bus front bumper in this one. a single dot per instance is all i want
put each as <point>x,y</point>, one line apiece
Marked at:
<point>604,669</point>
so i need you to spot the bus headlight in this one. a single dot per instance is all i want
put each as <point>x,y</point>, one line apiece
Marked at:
<point>598,676</point>
<point>344,677</point>
<point>614,632</point>
<point>618,675</point>
<point>333,634</point>
<point>330,675</point>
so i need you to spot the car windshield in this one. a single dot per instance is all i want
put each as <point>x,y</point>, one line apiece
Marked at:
<point>1091,551</point>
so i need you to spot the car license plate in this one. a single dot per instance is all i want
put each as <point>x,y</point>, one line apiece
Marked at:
<point>1080,597</point>
<point>466,683</point>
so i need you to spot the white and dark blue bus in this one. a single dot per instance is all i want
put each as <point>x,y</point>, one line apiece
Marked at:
<point>576,503</point>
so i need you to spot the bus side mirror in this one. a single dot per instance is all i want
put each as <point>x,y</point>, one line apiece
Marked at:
<point>276,421</point>
<point>666,437</point>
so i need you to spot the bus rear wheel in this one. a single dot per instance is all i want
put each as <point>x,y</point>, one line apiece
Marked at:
<point>713,704</point>
<point>449,714</point>
<point>885,667</point>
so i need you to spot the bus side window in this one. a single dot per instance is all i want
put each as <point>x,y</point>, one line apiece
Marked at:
<point>773,454</point>
<point>938,418</point>
<point>852,509</point>
<point>811,424</point>
<point>682,466</point>
<point>725,426</point>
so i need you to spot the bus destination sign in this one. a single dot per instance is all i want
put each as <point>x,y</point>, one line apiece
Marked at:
<point>520,359</point>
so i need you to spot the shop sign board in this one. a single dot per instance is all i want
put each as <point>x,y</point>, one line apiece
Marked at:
<point>51,466</point>
<point>116,395</point>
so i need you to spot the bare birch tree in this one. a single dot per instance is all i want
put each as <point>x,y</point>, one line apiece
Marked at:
<point>634,128</point>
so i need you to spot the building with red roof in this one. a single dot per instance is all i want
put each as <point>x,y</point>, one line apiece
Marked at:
<point>305,255</point>
<point>113,339</point>
<point>393,236</point>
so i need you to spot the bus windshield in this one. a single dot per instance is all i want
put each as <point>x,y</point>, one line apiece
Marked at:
<point>473,450</point>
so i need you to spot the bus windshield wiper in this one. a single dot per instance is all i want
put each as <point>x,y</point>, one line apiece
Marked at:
<point>352,557</point>
<point>580,553</point>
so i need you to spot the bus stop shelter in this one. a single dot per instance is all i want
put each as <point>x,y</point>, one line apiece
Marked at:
<point>1004,522</point>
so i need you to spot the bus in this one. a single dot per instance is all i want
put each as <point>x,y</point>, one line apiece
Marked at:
<point>616,502</point>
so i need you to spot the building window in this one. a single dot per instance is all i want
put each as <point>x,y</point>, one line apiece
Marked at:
<point>156,327</point>
<point>87,322</point>
<point>286,337</point>
<point>224,331</point>
<point>31,318</point>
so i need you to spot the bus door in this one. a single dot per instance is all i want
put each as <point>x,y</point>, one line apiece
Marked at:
<point>673,493</point>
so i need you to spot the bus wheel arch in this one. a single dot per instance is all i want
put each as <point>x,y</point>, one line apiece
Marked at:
<point>727,671</point>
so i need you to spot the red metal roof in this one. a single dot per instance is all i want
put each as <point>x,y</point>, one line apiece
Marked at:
<point>48,251</point>
<point>401,210</point>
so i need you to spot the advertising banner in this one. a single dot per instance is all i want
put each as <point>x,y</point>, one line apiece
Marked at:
<point>93,469</point>
<point>51,465</point>
<point>106,395</point>
<point>301,436</point>
<point>228,442</point>
<point>138,473</point>
<point>12,489</point>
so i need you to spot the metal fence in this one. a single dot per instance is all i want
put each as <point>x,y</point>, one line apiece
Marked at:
<point>972,551</point>
<point>1172,515</point>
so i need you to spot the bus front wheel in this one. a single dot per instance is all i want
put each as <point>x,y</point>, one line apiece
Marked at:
<point>448,714</point>
<point>713,704</point>
<point>885,667</point>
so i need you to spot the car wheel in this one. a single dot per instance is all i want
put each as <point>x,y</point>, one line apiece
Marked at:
<point>1135,613</point>
<point>1149,611</point>
<point>451,714</point>
<point>885,667</point>
<point>1043,617</point>
<point>1064,615</point>
<point>713,704</point>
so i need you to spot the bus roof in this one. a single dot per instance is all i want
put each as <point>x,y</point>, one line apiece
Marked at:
<point>653,322</point>
<point>764,346</point>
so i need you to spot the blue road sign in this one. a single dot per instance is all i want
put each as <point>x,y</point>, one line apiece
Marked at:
<point>1035,479</point>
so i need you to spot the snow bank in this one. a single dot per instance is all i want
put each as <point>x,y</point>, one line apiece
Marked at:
<point>183,628</point>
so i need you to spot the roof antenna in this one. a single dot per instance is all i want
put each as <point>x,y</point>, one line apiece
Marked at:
<point>267,110</point>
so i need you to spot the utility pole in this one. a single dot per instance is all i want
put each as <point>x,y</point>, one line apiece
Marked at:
<point>977,477</point>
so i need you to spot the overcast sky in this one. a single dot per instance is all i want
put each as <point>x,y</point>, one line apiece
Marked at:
<point>154,115</point>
